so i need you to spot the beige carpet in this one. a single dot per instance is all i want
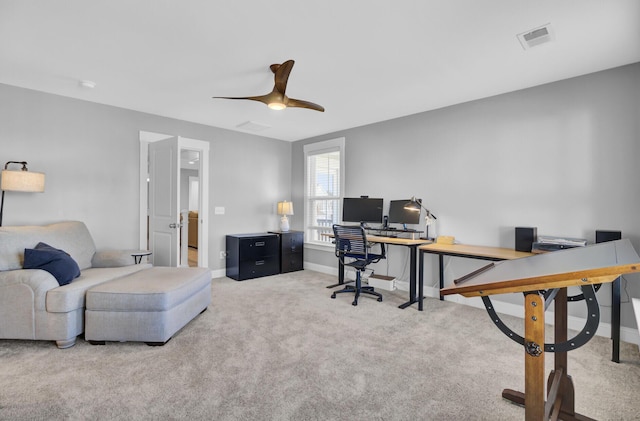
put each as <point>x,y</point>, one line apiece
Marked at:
<point>278,348</point>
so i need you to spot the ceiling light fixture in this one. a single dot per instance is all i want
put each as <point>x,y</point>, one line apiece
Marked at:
<point>276,106</point>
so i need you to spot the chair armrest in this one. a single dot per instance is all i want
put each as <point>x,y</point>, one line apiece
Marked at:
<point>112,258</point>
<point>383,253</point>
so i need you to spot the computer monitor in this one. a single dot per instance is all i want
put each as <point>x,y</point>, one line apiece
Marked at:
<point>362,209</point>
<point>399,215</point>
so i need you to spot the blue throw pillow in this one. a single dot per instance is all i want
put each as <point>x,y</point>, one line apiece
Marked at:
<point>56,262</point>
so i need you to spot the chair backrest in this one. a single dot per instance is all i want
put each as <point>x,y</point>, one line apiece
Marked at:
<point>351,241</point>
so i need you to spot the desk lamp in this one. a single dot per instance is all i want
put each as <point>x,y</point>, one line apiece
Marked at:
<point>415,205</point>
<point>22,180</point>
<point>285,208</point>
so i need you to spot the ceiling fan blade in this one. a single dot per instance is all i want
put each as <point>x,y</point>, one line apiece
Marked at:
<point>262,98</point>
<point>282,75</point>
<point>304,104</point>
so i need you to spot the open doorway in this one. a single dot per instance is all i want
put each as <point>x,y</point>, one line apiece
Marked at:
<point>193,213</point>
<point>174,217</point>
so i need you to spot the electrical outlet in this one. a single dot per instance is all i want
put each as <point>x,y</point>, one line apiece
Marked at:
<point>223,254</point>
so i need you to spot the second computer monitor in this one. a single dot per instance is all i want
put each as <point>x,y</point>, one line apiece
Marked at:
<point>399,215</point>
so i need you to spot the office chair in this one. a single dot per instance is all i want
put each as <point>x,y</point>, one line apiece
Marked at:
<point>351,243</point>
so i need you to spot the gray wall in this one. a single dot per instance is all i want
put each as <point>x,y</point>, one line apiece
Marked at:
<point>562,157</point>
<point>90,154</point>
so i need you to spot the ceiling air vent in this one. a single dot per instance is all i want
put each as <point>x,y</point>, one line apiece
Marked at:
<point>252,126</point>
<point>536,36</point>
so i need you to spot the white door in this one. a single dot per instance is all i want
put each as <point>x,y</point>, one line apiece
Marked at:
<point>164,215</point>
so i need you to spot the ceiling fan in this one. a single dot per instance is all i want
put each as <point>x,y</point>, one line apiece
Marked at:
<point>276,99</point>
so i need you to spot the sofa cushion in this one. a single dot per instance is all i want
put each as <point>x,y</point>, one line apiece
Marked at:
<point>55,261</point>
<point>156,289</point>
<point>113,258</point>
<point>66,298</point>
<point>71,236</point>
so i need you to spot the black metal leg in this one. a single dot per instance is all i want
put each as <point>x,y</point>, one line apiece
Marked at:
<point>340,275</point>
<point>413,250</point>
<point>421,282</point>
<point>441,263</point>
<point>615,320</point>
<point>358,288</point>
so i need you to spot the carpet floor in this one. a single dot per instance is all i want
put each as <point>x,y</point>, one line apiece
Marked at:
<point>278,348</point>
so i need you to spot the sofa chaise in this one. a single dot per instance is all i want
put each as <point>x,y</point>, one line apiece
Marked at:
<point>33,305</point>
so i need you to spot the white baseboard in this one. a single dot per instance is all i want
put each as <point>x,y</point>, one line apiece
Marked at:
<point>321,268</point>
<point>575,323</point>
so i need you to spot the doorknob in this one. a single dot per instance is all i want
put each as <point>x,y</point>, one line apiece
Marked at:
<point>175,225</point>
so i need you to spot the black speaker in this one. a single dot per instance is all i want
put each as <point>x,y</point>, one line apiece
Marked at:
<point>604,236</point>
<point>525,237</point>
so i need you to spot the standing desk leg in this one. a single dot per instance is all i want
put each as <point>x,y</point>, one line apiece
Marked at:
<point>615,320</point>
<point>340,276</point>
<point>421,280</point>
<point>441,269</point>
<point>413,251</point>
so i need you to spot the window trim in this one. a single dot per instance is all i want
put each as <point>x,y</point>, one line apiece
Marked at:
<point>317,148</point>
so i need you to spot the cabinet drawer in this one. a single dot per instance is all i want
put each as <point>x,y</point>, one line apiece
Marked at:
<point>291,262</point>
<point>292,242</point>
<point>259,267</point>
<point>257,248</point>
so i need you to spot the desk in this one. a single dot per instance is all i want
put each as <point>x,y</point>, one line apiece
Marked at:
<point>462,250</point>
<point>412,245</point>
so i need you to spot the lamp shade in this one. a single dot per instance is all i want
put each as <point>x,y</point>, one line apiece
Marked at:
<point>285,208</point>
<point>20,180</point>
<point>414,205</point>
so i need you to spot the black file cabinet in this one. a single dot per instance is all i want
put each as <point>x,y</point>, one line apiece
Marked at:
<point>252,255</point>
<point>291,250</point>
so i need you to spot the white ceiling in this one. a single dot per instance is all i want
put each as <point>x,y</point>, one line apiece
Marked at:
<point>363,60</point>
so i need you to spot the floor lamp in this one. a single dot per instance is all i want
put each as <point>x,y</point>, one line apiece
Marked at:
<point>415,205</point>
<point>19,180</point>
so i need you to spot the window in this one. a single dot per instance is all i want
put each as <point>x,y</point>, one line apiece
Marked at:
<point>323,189</point>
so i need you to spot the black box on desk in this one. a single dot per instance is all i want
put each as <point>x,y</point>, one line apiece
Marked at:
<point>604,236</point>
<point>525,237</point>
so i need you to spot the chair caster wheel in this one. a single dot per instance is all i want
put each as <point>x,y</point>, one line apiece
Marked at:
<point>355,303</point>
<point>380,299</point>
<point>333,295</point>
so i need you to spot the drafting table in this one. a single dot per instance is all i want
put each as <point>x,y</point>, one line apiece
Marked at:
<point>544,278</point>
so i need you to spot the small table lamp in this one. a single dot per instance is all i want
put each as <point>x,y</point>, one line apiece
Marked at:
<point>23,180</point>
<point>285,208</point>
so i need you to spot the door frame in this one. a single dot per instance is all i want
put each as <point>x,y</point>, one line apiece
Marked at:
<point>203,173</point>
